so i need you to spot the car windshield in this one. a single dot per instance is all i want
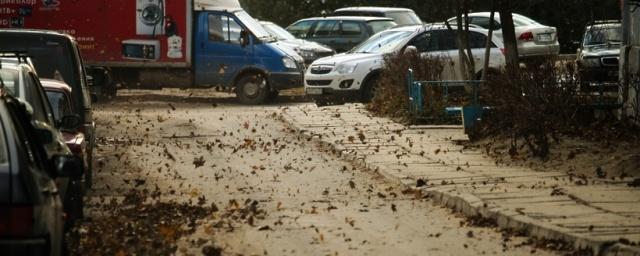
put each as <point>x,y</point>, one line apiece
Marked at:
<point>405,18</point>
<point>278,32</point>
<point>50,55</point>
<point>59,104</point>
<point>603,35</point>
<point>384,42</point>
<point>253,26</point>
<point>380,25</point>
<point>10,79</point>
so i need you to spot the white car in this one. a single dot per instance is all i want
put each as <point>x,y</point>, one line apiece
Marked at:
<point>352,76</point>
<point>534,39</point>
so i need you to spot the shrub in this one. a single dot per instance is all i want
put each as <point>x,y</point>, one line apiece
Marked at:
<point>391,95</point>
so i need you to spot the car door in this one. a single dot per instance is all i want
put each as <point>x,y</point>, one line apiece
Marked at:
<point>440,44</point>
<point>220,52</point>
<point>326,32</point>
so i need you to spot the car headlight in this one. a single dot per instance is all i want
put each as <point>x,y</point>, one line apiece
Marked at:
<point>345,69</point>
<point>307,54</point>
<point>289,63</point>
<point>591,62</point>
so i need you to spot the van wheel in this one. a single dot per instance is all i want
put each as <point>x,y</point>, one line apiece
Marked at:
<point>252,89</point>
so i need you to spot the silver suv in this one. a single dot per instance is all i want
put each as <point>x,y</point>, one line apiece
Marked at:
<point>599,54</point>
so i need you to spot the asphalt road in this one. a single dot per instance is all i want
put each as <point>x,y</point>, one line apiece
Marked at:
<point>257,189</point>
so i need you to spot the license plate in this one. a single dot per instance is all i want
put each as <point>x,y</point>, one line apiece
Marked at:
<point>544,37</point>
<point>314,91</point>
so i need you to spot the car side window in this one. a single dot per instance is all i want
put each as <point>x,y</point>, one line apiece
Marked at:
<point>59,104</point>
<point>484,22</point>
<point>351,29</point>
<point>423,42</point>
<point>224,29</point>
<point>477,40</point>
<point>300,29</point>
<point>326,28</point>
<point>446,40</point>
<point>32,98</point>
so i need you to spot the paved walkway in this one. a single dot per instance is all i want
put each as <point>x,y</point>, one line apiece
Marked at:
<point>604,216</point>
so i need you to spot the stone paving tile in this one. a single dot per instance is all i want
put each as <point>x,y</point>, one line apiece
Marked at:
<point>546,204</point>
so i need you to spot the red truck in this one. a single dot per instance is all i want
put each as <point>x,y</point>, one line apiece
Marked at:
<point>167,43</point>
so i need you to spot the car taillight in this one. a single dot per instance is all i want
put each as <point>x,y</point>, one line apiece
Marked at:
<point>526,36</point>
<point>16,220</point>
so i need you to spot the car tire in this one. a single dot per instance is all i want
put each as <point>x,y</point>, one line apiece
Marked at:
<point>74,205</point>
<point>368,90</point>
<point>252,89</point>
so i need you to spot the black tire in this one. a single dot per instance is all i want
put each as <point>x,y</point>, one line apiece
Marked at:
<point>252,89</point>
<point>368,91</point>
<point>321,102</point>
<point>74,204</point>
<point>273,96</point>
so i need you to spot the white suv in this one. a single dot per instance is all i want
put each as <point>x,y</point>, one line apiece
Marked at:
<point>352,76</point>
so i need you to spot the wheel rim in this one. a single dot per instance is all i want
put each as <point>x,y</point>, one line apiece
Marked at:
<point>251,89</point>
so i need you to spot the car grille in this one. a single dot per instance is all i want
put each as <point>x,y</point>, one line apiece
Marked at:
<point>610,61</point>
<point>319,82</point>
<point>321,70</point>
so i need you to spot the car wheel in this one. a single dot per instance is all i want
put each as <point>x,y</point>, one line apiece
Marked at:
<point>369,89</point>
<point>74,205</point>
<point>252,89</point>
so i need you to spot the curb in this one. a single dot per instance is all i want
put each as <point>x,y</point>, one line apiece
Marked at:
<point>472,206</point>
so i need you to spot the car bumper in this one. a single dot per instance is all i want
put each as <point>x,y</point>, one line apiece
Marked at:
<point>285,80</point>
<point>600,74</point>
<point>531,49</point>
<point>332,86</point>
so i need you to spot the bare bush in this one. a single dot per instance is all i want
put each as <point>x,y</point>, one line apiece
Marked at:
<point>534,106</point>
<point>391,95</point>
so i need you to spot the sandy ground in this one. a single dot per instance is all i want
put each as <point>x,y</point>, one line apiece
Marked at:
<point>192,172</point>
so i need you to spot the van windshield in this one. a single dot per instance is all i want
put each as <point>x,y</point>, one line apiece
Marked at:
<point>252,25</point>
<point>603,35</point>
<point>50,55</point>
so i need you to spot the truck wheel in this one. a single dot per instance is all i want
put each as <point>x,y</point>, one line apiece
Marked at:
<point>252,89</point>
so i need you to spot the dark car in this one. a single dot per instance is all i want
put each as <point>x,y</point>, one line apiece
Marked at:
<point>308,50</point>
<point>339,33</point>
<point>59,95</point>
<point>599,54</point>
<point>57,56</point>
<point>401,16</point>
<point>31,211</point>
<point>20,80</point>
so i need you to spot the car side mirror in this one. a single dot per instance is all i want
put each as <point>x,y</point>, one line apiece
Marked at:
<point>45,136</point>
<point>90,81</point>
<point>70,122</point>
<point>244,38</point>
<point>67,166</point>
<point>411,50</point>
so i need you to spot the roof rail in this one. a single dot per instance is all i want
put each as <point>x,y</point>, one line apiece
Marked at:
<point>21,56</point>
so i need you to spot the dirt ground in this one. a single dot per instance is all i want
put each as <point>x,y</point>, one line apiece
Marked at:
<point>193,173</point>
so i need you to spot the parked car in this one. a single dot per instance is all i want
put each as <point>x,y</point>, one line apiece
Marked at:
<point>21,81</point>
<point>310,51</point>
<point>59,95</point>
<point>401,16</point>
<point>31,211</point>
<point>57,56</point>
<point>339,33</point>
<point>353,76</point>
<point>599,54</point>
<point>534,39</point>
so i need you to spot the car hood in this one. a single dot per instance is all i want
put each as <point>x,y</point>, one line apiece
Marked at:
<point>306,45</point>
<point>289,51</point>
<point>350,58</point>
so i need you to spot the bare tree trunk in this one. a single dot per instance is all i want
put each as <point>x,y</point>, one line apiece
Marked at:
<point>462,56</point>
<point>509,36</point>
<point>487,51</point>
<point>471,63</point>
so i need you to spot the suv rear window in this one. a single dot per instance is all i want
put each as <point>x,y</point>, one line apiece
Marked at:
<point>405,18</point>
<point>380,25</point>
